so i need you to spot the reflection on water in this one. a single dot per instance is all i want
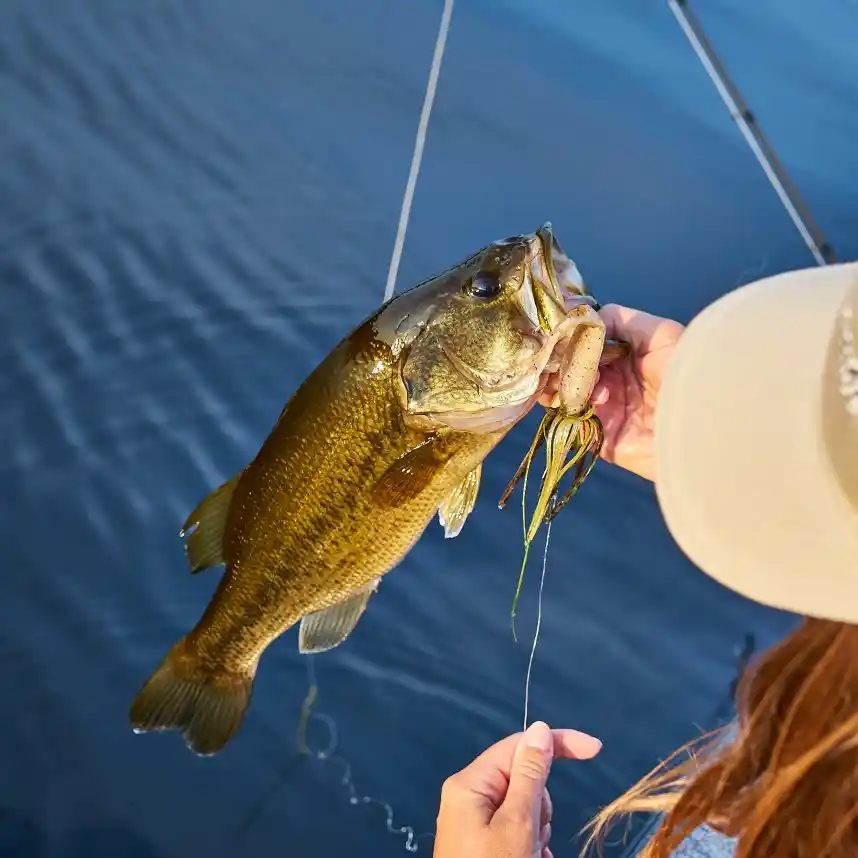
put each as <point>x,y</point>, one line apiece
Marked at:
<point>326,754</point>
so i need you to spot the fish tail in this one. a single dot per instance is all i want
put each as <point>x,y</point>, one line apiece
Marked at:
<point>205,700</point>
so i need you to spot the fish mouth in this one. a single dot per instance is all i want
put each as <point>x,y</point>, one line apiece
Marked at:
<point>556,301</point>
<point>556,287</point>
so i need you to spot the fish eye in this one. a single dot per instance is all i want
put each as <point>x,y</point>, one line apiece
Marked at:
<point>484,285</point>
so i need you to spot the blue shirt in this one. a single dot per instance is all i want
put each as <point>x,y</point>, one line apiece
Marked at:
<point>706,843</point>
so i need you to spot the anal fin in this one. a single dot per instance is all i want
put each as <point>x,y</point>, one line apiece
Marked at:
<point>459,504</point>
<point>328,628</point>
<point>204,544</point>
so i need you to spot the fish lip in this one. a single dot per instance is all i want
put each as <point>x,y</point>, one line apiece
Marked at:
<point>549,305</point>
<point>564,297</point>
<point>546,301</point>
<point>545,234</point>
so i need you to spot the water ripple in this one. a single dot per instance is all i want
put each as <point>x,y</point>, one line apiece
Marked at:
<point>199,200</point>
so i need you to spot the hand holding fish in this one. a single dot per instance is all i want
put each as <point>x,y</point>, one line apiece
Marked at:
<point>499,804</point>
<point>627,390</point>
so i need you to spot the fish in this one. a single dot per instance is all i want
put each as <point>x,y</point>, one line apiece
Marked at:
<point>388,431</point>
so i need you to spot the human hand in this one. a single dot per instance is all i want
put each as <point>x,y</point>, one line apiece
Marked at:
<point>627,390</point>
<point>499,806</point>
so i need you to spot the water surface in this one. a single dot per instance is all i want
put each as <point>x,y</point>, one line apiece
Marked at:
<point>198,200</point>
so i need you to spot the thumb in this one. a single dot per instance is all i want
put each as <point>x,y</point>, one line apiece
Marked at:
<point>529,773</point>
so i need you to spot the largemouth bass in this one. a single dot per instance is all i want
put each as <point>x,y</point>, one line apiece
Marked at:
<point>388,431</point>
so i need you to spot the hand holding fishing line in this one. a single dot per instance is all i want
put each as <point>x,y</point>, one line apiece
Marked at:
<point>499,804</point>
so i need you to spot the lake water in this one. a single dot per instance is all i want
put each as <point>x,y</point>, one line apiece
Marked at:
<point>199,198</point>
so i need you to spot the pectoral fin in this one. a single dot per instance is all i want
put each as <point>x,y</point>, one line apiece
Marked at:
<point>410,474</point>
<point>205,542</point>
<point>459,504</point>
<point>328,628</point>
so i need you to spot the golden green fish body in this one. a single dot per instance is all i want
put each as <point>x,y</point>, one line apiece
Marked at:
<point>388,431</point>
<point>322,470</point>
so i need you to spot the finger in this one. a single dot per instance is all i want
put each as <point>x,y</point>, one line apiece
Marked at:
<point>568,744</point>
<point>549,397</point>
<point>544,836</point>
<point>613,350</point>
<point>601,394</point>
<point>644,332</point>
<point>547,808</point>
<point>528,774</point>
<point>615,407</point>
<point>549,392</point>
<point>613,383</point>
<point>575,745</point>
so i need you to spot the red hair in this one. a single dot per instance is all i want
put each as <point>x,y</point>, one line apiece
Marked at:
<point>786,785</point>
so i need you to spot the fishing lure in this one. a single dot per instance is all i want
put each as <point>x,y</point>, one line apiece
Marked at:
<point>572,444</point>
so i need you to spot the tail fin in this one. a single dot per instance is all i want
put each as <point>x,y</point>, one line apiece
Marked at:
<point>205,701</point>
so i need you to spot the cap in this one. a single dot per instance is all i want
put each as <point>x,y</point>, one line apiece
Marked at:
<point>756,434</point>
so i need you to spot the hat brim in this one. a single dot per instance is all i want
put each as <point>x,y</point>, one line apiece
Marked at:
<point>742,476</point>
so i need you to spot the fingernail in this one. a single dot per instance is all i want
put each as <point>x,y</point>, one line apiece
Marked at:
<point>597,743</point>
<point>601,394</point>
<point>539,736</point>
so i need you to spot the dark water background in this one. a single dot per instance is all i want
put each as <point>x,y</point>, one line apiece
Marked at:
<point>197,200</point>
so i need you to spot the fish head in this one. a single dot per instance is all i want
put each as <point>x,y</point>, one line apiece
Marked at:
<point>484,338</point>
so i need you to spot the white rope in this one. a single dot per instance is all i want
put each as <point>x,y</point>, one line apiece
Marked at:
<point>538,625</point>
<point>417,157</point>
<point>738,115</point>
<point>404,215</point>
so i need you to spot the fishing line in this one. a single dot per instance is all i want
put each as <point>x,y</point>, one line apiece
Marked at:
<point>561,434</point>
<point>419,142</point>
<point>538,624</point>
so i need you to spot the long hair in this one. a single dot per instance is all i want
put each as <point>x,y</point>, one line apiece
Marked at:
<point>786,783</point>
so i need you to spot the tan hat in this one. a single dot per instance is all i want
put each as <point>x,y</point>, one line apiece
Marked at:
<point>756,432</point>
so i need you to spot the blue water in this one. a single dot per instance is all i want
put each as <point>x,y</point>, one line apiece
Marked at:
<point>198,198</point>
